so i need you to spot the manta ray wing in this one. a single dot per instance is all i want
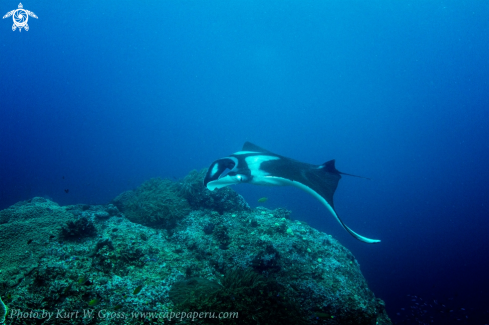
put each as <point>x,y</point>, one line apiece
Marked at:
<point>248,146</point>
<point>319,181</point>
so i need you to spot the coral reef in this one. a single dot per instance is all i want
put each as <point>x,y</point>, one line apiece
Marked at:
<point>260,300</point>
<point>76,229</point>
<point>169,267</point>
<point>220,200</point>
<point>26,229</point>
<point>155,203</point>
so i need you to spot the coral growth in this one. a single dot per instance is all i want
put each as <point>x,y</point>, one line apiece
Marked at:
<point>220,200</point>
<point>78,229</point>
<point>155,203</point>
<point>259,300</point>
<point>258,263</point>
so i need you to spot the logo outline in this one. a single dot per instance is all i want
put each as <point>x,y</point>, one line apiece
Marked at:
<point>20,17</point>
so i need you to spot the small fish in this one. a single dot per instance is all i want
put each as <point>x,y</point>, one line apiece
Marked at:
<point>322,315</point>
<point>263,199</point>
<point>68,288</point>
<point>93,302</point>
<point>137,290</point>
<point>29,241</point>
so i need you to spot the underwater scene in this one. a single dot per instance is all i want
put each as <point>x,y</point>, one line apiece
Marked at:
<point>244,162</point>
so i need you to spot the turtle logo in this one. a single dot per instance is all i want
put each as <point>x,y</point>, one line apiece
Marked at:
<point>20,17</point>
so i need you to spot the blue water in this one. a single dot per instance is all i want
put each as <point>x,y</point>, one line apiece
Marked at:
<point>98,97</point>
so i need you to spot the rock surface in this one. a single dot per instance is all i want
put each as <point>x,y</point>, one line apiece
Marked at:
<point>80,260</point>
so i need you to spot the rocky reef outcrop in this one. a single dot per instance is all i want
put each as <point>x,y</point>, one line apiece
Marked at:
<point>174,252</point>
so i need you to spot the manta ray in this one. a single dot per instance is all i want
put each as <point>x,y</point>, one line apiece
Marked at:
<point>258,166</point>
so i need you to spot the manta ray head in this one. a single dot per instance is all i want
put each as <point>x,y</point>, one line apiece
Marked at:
<point>224,172</point>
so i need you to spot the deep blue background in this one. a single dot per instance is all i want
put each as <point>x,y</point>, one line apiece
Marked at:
<point>109,94</point>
